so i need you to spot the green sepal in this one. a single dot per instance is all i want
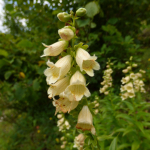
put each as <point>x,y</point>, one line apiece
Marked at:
<point>80,45</point>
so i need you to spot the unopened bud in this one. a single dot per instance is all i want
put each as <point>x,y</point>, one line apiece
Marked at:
<point>134,65</point>
<point>96,105</point>
<point>62,146</point>
<point>127,62</point>
<point>129,67</point>
<point>64,17</point>
<point>125,70</point>
<point>59,116</point>
<point>62,138</point>
<point>96,111</point>
<point>106,93</point>
<point>131,57</point>
<point>142,71</point>
<point>81,12</point>
<point>66,33</point>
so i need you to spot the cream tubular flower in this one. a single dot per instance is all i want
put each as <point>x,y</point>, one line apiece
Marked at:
<point>66,33</point>
<point>124,96</point>
<point>86,62</point>
<point>65,103</point>
<point>58,70</point>
<point>55,49</point>
<point>125,80</point>
<point>77,86</point>
<point>85,119</point>
<point>131,94</point>
<point>58,87</point>
<point>129,87</point>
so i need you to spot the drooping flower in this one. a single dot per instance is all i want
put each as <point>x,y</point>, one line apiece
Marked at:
<point>65,103</point>
<point>58,87</point>
<point>86,62</point>
<point>77,86</point>
<point>66,33</point>
<point>58,70</point>
<point>85,119</point>
<point>55,49</point>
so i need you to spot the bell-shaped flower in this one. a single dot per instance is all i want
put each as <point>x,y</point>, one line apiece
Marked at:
<point>131,94</point>
<point>77,86</point>
<point>55,49</point>
<point>85,119</point>
<point>86,62</point>
<point>58,87</point>
<point>129,87</point>
<point>66,33</point>
<point>124,96</point>
<point>65,103</point>
<point>125,79</point>
<point>58,70</point>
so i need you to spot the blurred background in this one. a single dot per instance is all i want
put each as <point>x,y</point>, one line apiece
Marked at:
<point>115,29</point>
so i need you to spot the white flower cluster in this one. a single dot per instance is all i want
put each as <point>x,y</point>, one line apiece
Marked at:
<point>64,142</point>
<point>62,123</point>
<point>132,82</point>
<point>66,79</point>
<point>79,142</point>
<point>107,83</point>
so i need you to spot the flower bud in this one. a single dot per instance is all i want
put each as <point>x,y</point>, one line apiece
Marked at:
<point>66,33</point>
<point>142,71</point>
<point>62,146</point>
<point>106,93</point>
<point>125,70</point>
<point>129,67</point>
<point>62,138</point>
<point>64,17</point>
<point>134,65</point>
<point>96,111</point>
<point>127,62</point>
<point>81,12</point>
<point>131,57</point>
<point>59,116</point>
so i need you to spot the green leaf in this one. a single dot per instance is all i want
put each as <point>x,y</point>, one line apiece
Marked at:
<point>124,116</point>
<point>9,7</point>
<point>83,23</point>
<point>130,106</point>
<point>128,130</point>
<point>104,137</point>
<point>135,145</point>
<point>122,146</point>
<point>25,44</point>
<point>36,84</point>
<point>8,74</point>
<point>93,25</point>
<point>113,145</point>
<point>3,53</point>
<point>92,9</point>
<point>113,20</point>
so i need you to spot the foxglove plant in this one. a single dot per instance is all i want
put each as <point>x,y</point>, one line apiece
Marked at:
<point>66,77</point>
<point>132,82</point>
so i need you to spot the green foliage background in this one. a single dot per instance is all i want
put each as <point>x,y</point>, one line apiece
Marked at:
<point>115,29</point>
